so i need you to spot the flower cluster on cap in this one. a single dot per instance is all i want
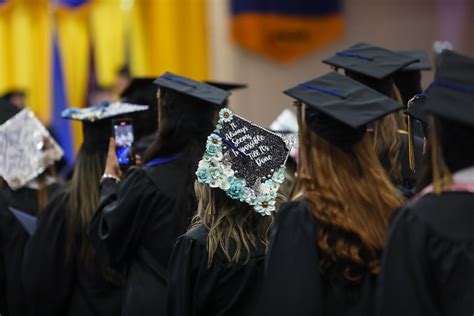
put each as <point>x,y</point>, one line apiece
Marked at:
<point>214,171</point>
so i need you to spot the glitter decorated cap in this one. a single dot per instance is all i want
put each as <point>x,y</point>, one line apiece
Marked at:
<point>246,161</point>
<point>96,120</point>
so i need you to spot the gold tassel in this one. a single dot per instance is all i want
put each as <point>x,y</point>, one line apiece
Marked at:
<point>411,150</point>
<point>158,98</point>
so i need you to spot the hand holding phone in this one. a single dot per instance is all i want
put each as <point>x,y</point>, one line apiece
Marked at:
<point>124,139</point>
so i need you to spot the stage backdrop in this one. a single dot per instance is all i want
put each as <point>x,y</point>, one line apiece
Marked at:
<point>285,29</point>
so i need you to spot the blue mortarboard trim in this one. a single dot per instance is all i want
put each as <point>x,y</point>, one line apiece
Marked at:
<point>231,145</point>
<point>162,160</point>
<point>354,55</point>
<point>453,85</point>
<point>168,77</point>
<point>332,92</point>
<point>421,95</point>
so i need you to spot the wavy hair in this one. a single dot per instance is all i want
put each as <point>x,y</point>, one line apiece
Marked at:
<point>352,198</point>
<point>234,227</point>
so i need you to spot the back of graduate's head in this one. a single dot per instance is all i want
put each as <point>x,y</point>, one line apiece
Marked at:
<point>357,201</point>
<point>83,191</point>
<point>184,123</point>
<point>234,227</point>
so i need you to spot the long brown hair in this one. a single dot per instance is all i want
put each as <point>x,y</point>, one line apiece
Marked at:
<point>234,227</point>
<point>84,198</point>
<point>351,197</point>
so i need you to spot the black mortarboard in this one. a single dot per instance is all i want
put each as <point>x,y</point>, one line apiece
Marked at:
<point>97,121</point>
<point>227,86</point>
<point>417,108</point>
<point>370,60</point>
<point>451,94</point>
<point>196,89</point>
<point>7,110</point>
<point>338,108</point>
<point>143,91</point>
<point>423,61</point>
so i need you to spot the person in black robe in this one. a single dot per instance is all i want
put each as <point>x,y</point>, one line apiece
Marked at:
<point>28,201</point>
<point>428,262</point>
<point>217,267</point>
<point>376,67</point>
<point>325,246</point>
<point>61,274</point>
<point>138,220</point>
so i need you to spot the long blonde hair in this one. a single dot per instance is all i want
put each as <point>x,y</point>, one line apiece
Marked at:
<point>234,227</point>
<point>351,197</point>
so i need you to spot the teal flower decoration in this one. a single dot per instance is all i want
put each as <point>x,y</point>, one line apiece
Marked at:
<point>225,115</point>
<point>265,204</point>
<point>236,189</point>
<point>213,149</point>
<point>204,175</point>
<point>279,176</point>
<point>214,139</point>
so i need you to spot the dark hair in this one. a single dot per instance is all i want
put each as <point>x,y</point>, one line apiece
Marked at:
<point>456,141</point>
<point>185,124</point>
<point>83,198</point>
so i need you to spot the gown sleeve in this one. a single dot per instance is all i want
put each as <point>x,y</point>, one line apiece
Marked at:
<point>404,285</point>
<point>115,230</point>
<point>183,271</point>
<point>48,273</point>
<point>292,284</point>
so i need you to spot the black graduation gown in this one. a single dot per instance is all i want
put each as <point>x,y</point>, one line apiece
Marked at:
<point>56,284</point>
<point>293,283</point>
<point>224,288</point>
<point>136,227</point>
<point>409,178</point>
<point>428,262</point>
<point>13,238</point>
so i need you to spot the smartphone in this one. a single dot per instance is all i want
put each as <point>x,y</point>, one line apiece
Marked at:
<point>124,138</point>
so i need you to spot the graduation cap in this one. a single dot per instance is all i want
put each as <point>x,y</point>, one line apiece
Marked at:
<point>417,108</point>
<point>142,90</point>
<point>423,61</point>
<point>339,108</point>
<point>451,94</point>
<point>245,160</point>
<point>26,220</point>
<point>227,86</point>
<point>27,149</point>
<point>192,88</point>
<point>370,65</point>
<point>97,120</point>
<point>7,110</point>
<point>408,79</point>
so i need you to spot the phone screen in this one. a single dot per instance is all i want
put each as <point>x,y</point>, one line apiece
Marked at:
<point>123,133</point>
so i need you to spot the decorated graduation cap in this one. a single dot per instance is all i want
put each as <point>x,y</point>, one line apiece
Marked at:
<point>199,90</point>
<point>370,65</point>
<point>245,160</point>
<point>339,108</point>
<point>96,121</point>
<point>227,86</point>
<point>27,149</point>
<point>408,79</point>
<point>451,94</point>
<point>142,90</point>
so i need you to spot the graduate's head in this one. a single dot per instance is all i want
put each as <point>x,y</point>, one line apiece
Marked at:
<point>450,100</point>
<point>187,111</point>
<point>238,182</point>
<point>339,169</point>
<point>89,166</point>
